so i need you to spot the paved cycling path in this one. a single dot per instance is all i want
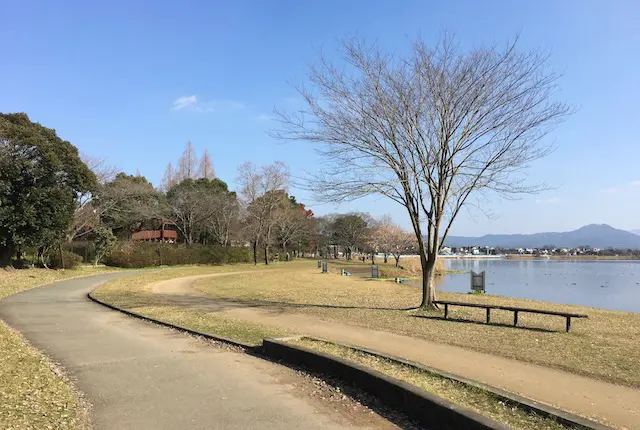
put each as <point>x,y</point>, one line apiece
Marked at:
<point>138,375</point>
<point>591,398</point>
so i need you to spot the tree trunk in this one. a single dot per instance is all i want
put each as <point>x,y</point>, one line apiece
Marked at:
<point>373,258</point>
<point>255,252</point>
<point>397,257</point>
<point>386,258</point>
<point>266,255</point>
<point>428,263</point>
<point>6,252</point>
<point>428,286</point>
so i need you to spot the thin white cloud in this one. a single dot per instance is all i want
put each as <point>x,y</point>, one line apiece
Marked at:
<point>184,102</point>
<point>548,201</point>
<point>635,183</point>
<point>193,104</point>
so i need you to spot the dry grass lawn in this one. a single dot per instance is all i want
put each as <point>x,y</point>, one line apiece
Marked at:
<point>605,346</point>
<point>134,294</point>
<point>473,398</point>
<point>32,394</point>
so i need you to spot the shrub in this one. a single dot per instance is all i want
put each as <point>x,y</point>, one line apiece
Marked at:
<point>70,260</point>
<point>83,248</point>
<point>132,254</point>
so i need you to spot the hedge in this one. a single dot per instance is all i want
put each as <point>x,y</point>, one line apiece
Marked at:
<point>138,254</point>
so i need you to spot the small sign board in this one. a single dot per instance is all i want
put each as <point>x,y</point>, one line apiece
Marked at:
<point>478,281</point>
<point>375,272</point>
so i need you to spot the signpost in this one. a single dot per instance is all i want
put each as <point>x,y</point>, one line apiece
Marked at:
<point>375,273</point>
<point>478,281</point>
<point>324,267</point>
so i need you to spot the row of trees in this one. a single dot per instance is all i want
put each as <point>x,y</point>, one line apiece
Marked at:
<point>262,214</point>
<point>49,195</point>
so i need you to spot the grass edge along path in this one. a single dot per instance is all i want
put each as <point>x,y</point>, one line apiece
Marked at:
<point>476,399</point>
<point>34,392</point>
<point>133,294</point>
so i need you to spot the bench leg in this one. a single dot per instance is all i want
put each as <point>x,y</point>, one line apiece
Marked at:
<point>568,324</point>
<point>446,311</point>
<point>515,318</point>
<point>488,315</point>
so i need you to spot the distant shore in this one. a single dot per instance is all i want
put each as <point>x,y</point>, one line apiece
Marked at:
<point>540,257</point>
<point>570,257</point>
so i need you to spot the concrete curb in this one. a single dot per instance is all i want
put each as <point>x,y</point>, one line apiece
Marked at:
<point>430,410</point>
<point>563,417</point>
<point>232,342</point>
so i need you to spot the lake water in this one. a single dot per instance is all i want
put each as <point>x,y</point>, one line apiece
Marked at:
<point>601,284</point>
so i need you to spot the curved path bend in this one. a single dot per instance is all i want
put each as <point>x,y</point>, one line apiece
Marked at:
<point>137,375</point>
<point>600,400</point>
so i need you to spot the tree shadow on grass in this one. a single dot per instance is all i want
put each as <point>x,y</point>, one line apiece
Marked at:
<point>465,321</point>
<point>218,304</point>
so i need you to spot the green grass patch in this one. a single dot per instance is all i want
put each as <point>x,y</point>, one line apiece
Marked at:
<point>474,398</point>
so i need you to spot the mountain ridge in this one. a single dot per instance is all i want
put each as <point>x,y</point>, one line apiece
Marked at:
<point>592,235</point>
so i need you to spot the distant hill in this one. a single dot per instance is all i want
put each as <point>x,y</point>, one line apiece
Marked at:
<point>636,231</point>
<point>592,235</point>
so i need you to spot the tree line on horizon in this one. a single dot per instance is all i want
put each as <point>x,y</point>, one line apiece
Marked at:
<point>104,206</point>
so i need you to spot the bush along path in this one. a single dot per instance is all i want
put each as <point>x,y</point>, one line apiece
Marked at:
<point>603,401</point>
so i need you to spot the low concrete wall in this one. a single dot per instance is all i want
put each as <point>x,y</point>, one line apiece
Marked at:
<point>428,409</point>
<point>563,417</point>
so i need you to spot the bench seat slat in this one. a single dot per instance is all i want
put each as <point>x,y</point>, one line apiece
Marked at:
<point>511,308</point>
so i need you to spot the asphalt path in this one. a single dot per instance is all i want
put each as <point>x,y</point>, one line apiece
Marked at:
<point>137,375</point>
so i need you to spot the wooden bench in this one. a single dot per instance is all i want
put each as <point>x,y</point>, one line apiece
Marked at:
<point>513,309</point>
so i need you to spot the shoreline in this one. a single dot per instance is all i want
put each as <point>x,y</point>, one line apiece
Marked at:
<point>542,257</point>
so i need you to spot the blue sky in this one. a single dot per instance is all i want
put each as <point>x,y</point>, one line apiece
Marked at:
<point>132,81</point>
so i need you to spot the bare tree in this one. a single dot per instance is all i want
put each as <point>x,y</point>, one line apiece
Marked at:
<point>400,241</point>
<point>261,190</point>
<point>86,217</point>
<point>380,235</point>
<point>292,224</point>
<point>431,131</point>
<point>225,213</point>
<point>170,178</point>
<point>205,168</point>
<point>187,164</point>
